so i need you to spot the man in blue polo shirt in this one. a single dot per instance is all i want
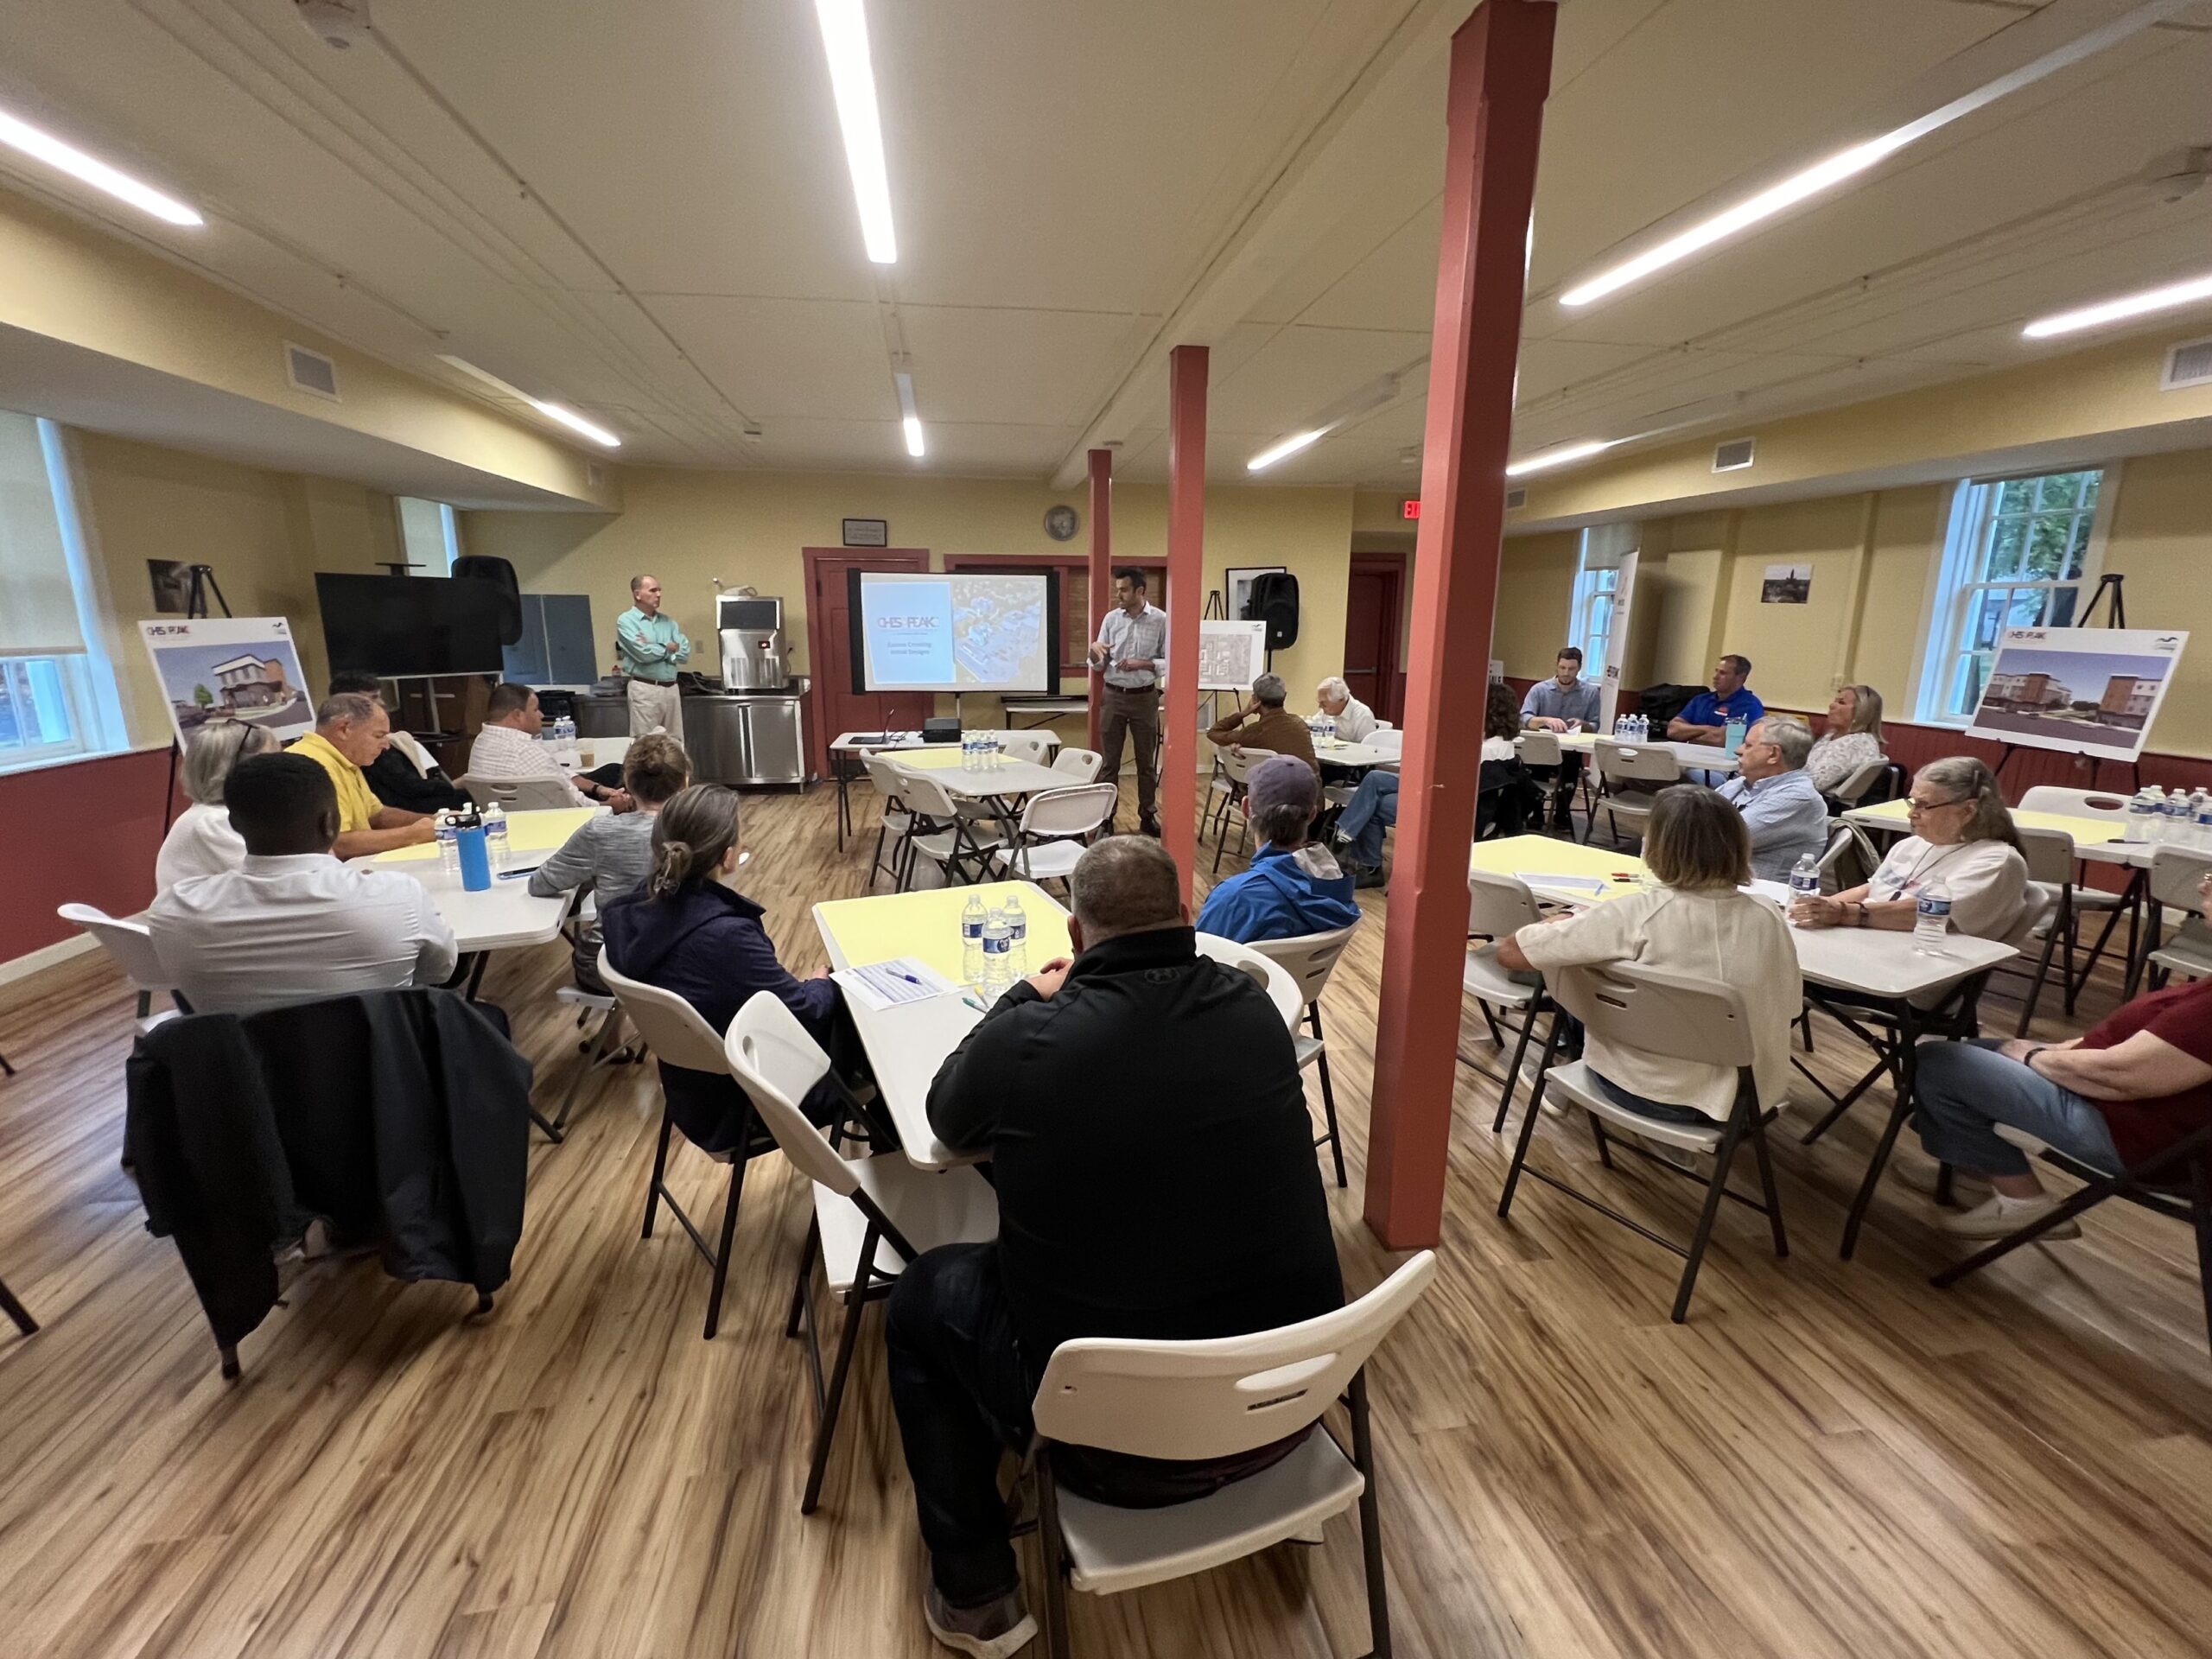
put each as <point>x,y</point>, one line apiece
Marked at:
<point>1292,888</point>
<point>1706,720</point>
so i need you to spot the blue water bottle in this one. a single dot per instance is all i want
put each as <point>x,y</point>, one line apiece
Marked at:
<point>1731,738</point>
<point>475,859</point>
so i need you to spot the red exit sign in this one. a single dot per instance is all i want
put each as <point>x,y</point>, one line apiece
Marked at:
<point>1413,508</point>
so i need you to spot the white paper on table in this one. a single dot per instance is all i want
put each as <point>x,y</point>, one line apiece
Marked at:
<point>888,984</point>
<point>1591,884</point>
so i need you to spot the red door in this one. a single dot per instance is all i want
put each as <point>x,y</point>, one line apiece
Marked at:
<point>1371,623</point>
<point>837,706</point>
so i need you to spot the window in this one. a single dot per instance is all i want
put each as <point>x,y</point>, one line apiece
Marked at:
<point>427,535</point>
<point>1597,594</point>
<point>2020,552</point>
<point>57,691</point>
<point>1076,631</point>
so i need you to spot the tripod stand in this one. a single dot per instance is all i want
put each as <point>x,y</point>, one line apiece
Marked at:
<point>195,604</point>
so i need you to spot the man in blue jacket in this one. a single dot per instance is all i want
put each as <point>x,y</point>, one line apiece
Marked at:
<point>1292,888</point>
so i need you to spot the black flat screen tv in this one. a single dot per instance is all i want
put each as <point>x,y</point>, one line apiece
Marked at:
<point>393,626</point>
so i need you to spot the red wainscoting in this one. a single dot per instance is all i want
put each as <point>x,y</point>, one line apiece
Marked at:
<point>84,833</point>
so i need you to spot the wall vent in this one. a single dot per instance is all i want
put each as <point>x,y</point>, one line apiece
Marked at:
<point>1518,497</point>
<point>594,475</point>
<point>1733,455</point>
<point>2189,364</point>
<point>310,371</point>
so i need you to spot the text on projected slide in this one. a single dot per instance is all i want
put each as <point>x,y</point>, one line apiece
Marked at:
<point>955,631</point>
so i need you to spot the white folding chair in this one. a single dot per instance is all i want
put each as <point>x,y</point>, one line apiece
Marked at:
<point>895,821</point>
<point>1854,789</point>
<point>942,833</point>
<point>2098,806</point>
<point>2174,873</point>
<point>1849,859</point>
<point>1271,976</point>
<point>1193,1400</point>
<point>1631,774</point>
<point>1498,907</point>
<point>130,947</point>
<point>1035,748</point>
<point>1054,831</point>
<point>1081,765</point>
<point>1310,958</point>
<point>1630,1005</point>
<point>1234,769</point>
<point>679,1037</point>
<point>518,794</point>
<point>872,1216</point>
<point>2049,854</point>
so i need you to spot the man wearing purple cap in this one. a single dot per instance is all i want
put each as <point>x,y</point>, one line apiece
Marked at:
<point>1292,887</point>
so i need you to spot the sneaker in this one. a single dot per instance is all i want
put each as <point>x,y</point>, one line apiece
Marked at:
<point>1998,1216</point>
<point>1920,1177</point>
<point>997,1630</point>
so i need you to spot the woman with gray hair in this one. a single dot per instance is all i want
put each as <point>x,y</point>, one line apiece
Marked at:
<point>201,841</point>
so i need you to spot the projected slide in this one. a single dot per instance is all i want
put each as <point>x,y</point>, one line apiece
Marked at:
<point>964,631</point>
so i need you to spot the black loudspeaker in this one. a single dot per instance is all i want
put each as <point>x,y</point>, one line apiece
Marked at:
<point>499,572</point>
<point>1274,601</point>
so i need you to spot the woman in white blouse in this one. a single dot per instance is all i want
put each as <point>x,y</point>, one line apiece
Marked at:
<point>1853,740</point>
<point>1962,836</point>
<point>1696,921</point>
<point>201,841</point>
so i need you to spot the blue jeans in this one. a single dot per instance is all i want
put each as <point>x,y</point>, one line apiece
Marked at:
<point>1963,1090</point>
<point>1374,809</point>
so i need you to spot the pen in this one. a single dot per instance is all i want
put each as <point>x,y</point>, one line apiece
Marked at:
<point>902,973</point>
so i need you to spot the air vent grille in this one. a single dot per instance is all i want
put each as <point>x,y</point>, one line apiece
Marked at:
<point>1733,455</point>
<point>310,371</point>
<point>1517,497</point>
<point>2189,364</point>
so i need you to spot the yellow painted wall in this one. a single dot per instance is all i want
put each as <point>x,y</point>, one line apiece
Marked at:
<point>1535,593</point>
<point>689,527</point>
<point>265,533</point>
<point>2161,542</point>
<point>1908,527</point>
<point>1793,647</point>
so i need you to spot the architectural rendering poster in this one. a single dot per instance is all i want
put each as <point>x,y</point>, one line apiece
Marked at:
<point>230,668</point>
<point>2092,691</point>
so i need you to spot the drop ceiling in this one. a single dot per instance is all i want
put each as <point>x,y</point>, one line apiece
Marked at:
<point>642,210</point>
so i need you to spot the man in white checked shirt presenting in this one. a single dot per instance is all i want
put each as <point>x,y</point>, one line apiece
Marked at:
<point>1130,655</point>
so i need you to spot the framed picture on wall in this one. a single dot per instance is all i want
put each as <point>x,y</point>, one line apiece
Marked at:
<point>1240,579</point>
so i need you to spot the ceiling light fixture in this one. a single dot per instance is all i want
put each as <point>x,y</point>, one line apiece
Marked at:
<point>560,412</point>
<point>67,158</point>
<point>852,79</point>
<point>2171,297</point>
<point>1289,446</point>
<point>1560,457</point>
<point>1825,175</point>
<point>908,417</point>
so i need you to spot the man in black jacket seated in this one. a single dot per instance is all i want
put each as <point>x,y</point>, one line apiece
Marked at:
<point>392,775</point>
<point>1154,1164</point>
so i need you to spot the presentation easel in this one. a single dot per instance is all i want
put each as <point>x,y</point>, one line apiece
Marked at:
<point>2109,585</point>
<point>196,607</point>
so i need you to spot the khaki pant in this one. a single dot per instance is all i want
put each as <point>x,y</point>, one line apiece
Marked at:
<point>1137,714</point>
<point>656,708</point>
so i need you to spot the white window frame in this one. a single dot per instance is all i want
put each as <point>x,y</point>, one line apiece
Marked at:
<point>1956,582</point>
<point>90,696</point>
<point>1594,614</point>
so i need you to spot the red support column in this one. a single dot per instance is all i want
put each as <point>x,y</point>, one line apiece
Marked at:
<point>1186,580</point>
<point>1102,570</point>
<point>1500,70</point>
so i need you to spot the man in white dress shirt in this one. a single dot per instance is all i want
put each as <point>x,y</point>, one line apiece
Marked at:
<point>1355,720</point>
<point>291,924</point>
<point>1130,656</point>
<point>506,750</point>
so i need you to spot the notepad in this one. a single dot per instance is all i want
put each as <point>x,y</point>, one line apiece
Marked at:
<point>1592,886</point>
<point>888,984</point>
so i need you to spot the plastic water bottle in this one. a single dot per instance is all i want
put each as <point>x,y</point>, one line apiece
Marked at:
<point>495,836</point>
<point>1932,920</point>
<point>1805,879</point>
<point>2202,817</point>
<point>1017,939</point>
<point>971,942</point>
<point>993,753</point>
<point>995,941</point>
<point>449,845</point>
<point>2142,815</point>
<point>2181,820</point>
<point>967,751</point>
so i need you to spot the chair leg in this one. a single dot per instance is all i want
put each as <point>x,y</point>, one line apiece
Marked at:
<point>1513,1067</point>
<point>660,1168</point>
<point>1723,1158</point>
<point>1805,1028</point>
<point>1371,1522</point>
<point>1055,1553</point>
<point>1766,1185</point>
<point>855,1306</point>
<point>145,1003</point>
<point>737,1164</point>
<point>21,1315</point>
<point>6,1069</point>
<point>2042,972</point>
<point>1328,1094</point>
<point>598,1049</point>
<point>1535,1110</point>
<point>2201,1217</point>
<point>805,1275</point>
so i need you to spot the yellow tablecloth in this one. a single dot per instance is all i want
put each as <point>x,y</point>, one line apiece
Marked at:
<point>940,757</point>
<point>2090,832</point>
<point>537,831</point>
<point>1527,856</point>
<point>926,924</point>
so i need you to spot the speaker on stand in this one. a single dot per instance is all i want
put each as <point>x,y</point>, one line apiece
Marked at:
<point>1274,601</point>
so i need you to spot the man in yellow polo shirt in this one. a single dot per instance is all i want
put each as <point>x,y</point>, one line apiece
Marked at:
<point>350,730</point>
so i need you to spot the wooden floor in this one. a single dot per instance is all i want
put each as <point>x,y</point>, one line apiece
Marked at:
<point>1830,1460</point>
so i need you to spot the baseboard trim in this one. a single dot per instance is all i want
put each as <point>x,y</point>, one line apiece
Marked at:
<point>49,957</point>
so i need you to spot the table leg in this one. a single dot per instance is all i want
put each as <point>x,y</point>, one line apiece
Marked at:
<point>1903,1062</point>
<point>844,798</point>
<point>2143,931</point>
<point>479,962</point>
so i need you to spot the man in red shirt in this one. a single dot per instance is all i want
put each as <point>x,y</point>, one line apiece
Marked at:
<point>2133,1086</point>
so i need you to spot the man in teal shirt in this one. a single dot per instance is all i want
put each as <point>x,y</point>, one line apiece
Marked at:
<point>649,648</point>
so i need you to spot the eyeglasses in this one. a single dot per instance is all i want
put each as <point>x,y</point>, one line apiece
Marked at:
<point>1913,806</point>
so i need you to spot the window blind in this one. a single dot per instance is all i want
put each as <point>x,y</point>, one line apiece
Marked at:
<point>38,605</point>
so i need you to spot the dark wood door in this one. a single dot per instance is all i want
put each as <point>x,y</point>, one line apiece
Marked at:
<point>1371,624</point>
<point>837,706</point>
